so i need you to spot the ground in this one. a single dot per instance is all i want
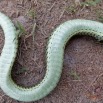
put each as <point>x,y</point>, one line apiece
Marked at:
<point>82,78</point>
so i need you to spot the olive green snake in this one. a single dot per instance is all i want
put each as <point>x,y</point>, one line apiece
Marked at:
<point>54,56</point>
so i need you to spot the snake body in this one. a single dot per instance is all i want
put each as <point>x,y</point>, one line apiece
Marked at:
<point>54,56</point>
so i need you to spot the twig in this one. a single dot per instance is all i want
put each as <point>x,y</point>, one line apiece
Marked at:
<point>94,81</point>
<point>77,80</point>
<point>33,35</point>
<point>62,13</point>
<point>25,45</point>
<point>51,7</point>
<point>80,101</point>
<point>33,31</point>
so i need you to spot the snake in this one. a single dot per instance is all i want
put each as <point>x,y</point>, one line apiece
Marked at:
<point>54,56</point>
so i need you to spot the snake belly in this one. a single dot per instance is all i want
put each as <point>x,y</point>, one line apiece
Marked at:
<point>54,56</point>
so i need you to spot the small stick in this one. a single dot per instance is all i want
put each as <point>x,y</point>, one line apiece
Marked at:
<point>62,13</point>
<point>33,31</point>
<point>33,34</point>
<point>80,101</point>
<point>51,7</point>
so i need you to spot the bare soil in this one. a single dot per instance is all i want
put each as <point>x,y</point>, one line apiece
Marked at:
<point>81,80</point>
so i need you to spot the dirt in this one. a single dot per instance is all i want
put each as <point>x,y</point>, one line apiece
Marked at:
<point>81,80</point>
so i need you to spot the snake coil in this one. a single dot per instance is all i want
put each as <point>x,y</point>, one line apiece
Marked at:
<point>54,56</point>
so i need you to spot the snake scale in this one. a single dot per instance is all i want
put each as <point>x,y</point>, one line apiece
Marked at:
<point>54,56</point>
